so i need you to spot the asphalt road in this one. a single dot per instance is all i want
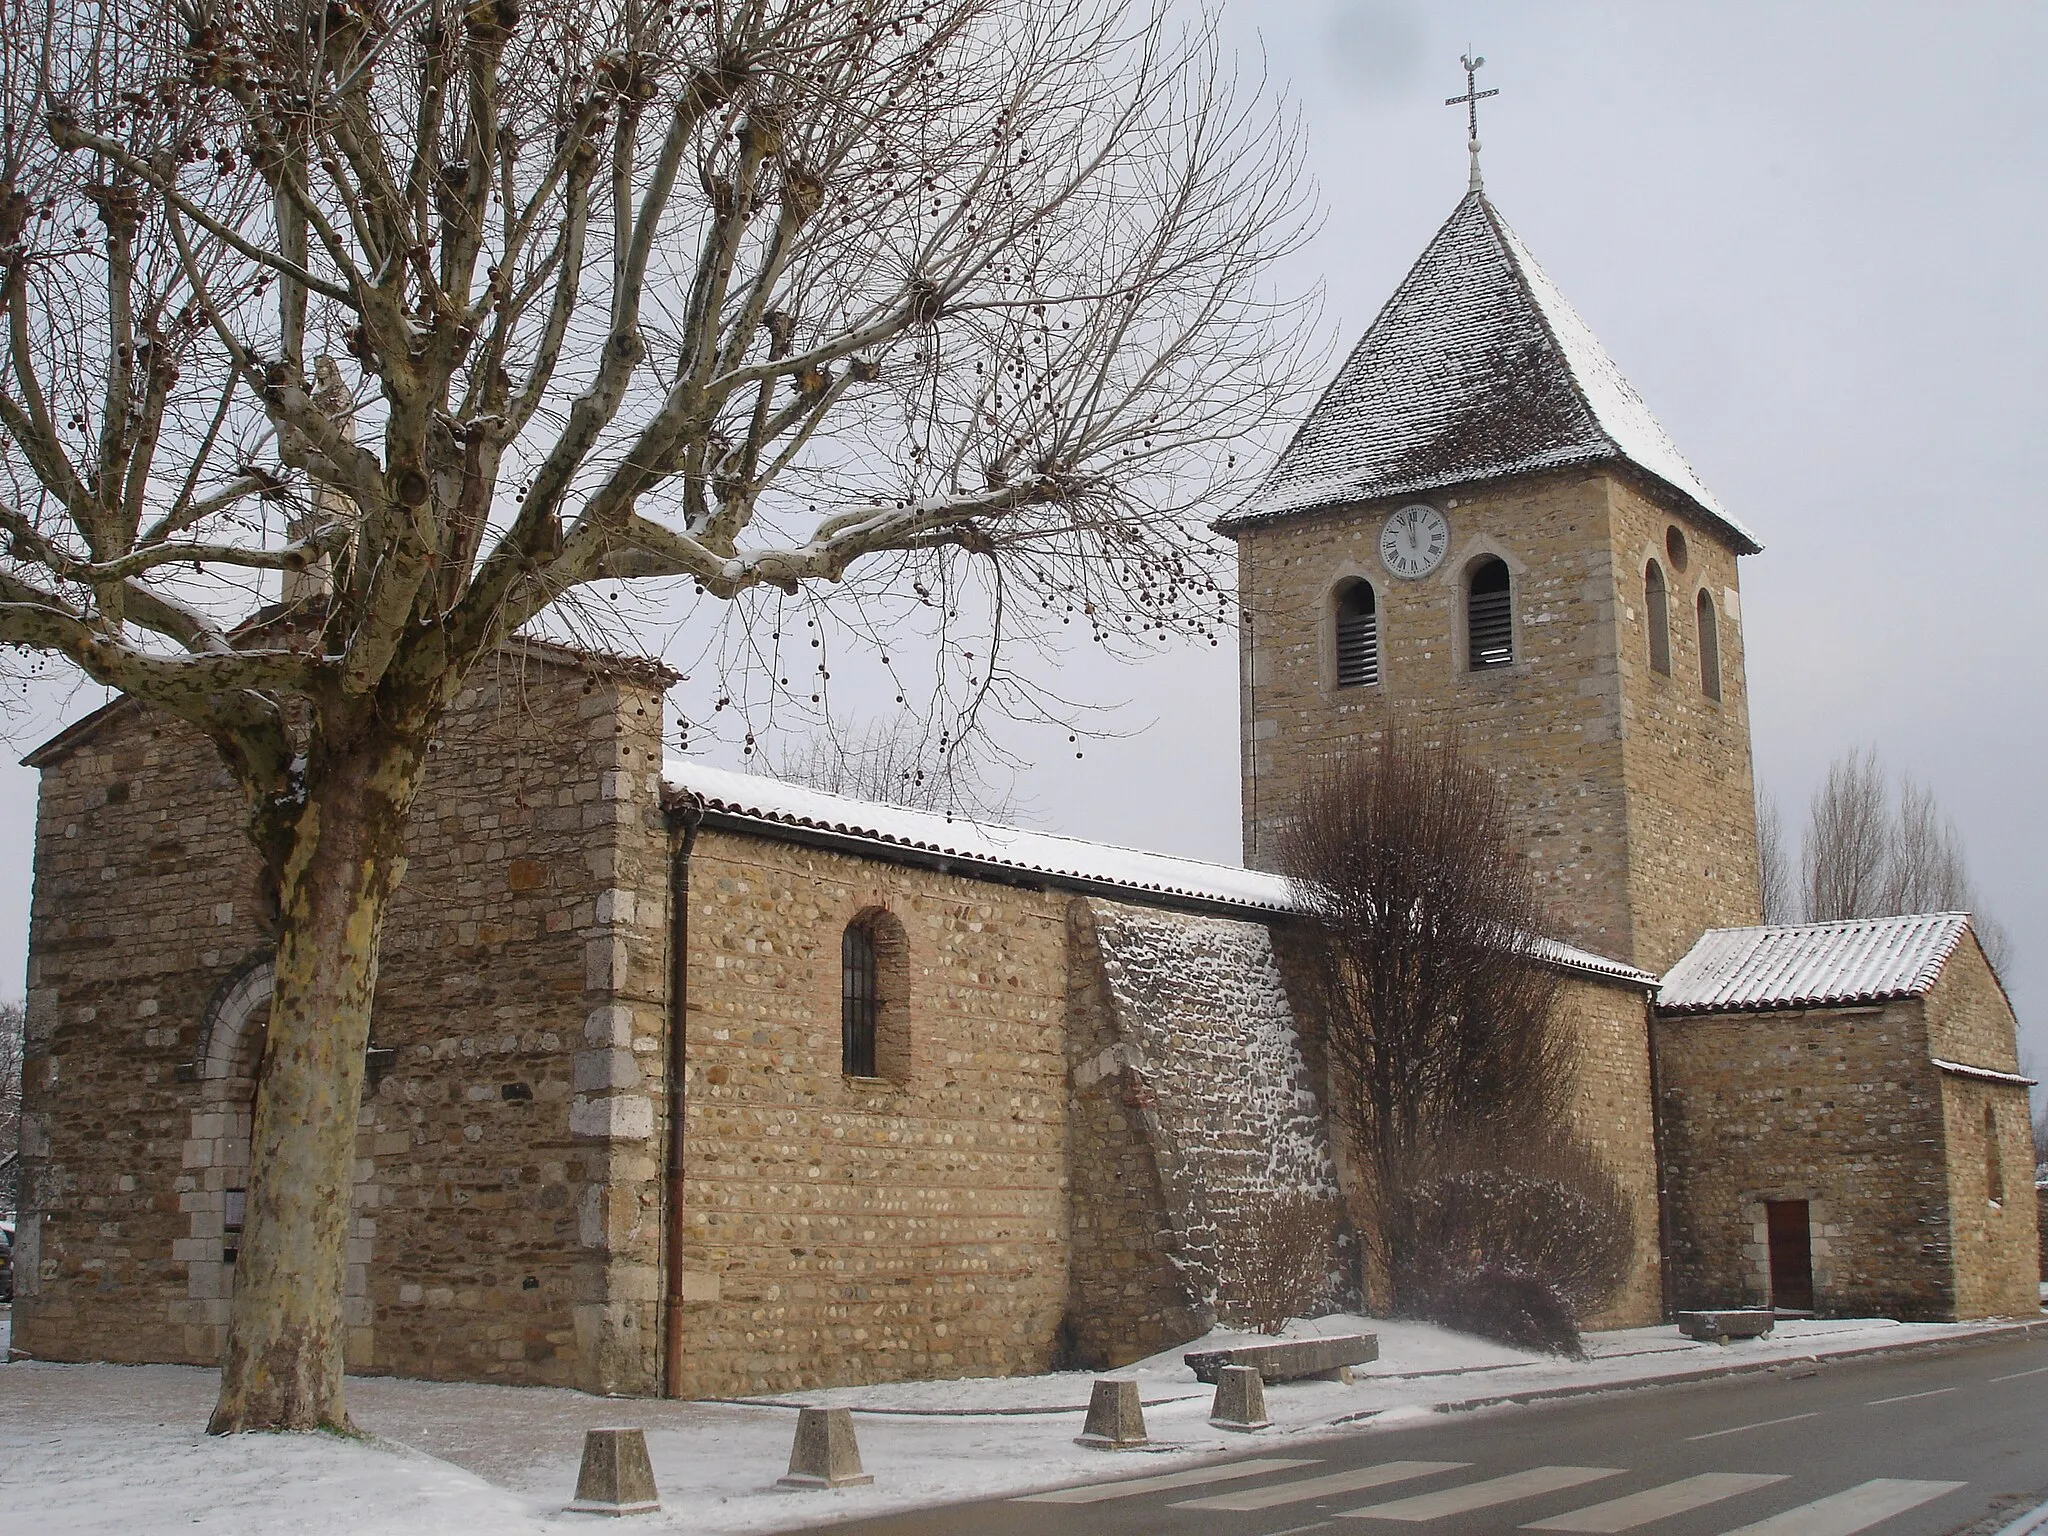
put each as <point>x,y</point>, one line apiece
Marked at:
<point>1909,1445</point>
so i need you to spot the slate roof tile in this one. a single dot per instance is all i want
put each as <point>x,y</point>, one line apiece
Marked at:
<point>1476,369</point>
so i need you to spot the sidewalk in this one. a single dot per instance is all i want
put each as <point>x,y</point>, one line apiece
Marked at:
<point>104,1448</point>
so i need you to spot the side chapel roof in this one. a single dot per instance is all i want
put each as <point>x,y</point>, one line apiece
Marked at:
<point>985,848</point>
<point>1477,369</point>
<point>1812,965</point>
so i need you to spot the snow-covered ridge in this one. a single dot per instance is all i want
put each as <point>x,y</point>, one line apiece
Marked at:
<point>1103,867</point>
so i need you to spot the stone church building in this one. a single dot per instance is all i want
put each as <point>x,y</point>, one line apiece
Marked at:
<point>690,1082</point>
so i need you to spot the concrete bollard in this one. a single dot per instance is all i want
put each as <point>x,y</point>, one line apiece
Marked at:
<point>825,1454</point>
<point>616,1478</point>
<point>1116,1419</point>
<point>1240,1399</point>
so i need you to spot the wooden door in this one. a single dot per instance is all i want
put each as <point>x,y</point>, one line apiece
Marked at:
<point>1791,1254</point>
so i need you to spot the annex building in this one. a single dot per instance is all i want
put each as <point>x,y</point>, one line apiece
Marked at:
<point>692,1082</point>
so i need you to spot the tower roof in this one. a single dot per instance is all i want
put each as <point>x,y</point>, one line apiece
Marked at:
<point>1476,369</point>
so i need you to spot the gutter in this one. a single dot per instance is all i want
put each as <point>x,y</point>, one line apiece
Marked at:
<point>687,820</point>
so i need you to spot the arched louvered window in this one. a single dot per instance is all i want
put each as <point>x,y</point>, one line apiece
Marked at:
<point>1358,635</point>
<point>860,1001</point>
<point>1489,616</point>
<point>1657,613</point>
<point>1710,648</point>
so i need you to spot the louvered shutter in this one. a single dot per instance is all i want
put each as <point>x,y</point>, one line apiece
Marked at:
<point>1358,637</point>
<point>1489,616</point>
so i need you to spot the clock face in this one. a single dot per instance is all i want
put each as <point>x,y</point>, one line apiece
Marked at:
<point>1414,541</point>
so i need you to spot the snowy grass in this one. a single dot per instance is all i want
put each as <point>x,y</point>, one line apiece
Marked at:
<point>99,1448</point>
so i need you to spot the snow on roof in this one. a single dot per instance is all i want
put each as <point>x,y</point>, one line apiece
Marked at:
<point>1476,369</point>
<point>1070,860</point>
<point>1807,965</point>
<point>757,797</point>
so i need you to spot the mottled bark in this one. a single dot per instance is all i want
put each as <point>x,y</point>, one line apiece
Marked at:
<point>283,1368</point>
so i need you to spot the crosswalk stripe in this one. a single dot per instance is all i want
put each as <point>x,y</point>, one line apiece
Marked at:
<point>1634,1509</point>
<point>1851,1510</point>
<point>1130,1488</point>
<point>1483,1495</point>
<point>1303,1489</point>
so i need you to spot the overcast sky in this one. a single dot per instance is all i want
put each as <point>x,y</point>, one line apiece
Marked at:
<point>1812,235</point>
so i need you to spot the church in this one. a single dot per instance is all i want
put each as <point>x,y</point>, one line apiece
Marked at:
<point>693,1083</point>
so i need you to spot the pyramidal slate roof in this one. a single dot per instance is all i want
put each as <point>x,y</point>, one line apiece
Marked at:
<point>1809,965</point>
<point>1476,369</point>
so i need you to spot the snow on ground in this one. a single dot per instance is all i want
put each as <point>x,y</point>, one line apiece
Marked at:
<point>101,1448</point>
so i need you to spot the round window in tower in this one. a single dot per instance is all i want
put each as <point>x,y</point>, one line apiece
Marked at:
<point>1674,546</point>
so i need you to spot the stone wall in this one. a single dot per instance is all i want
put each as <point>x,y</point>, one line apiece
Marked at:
<point>1989,1136</point>
<point>503,1182</point>
<point>1836,1106</point>
<point>1190,1068</point>
<point>1687,773</point>
<point>1610,1022</point>
<point>1128,1294</point>
<point>1630,789</point>
<point>848,1230</point>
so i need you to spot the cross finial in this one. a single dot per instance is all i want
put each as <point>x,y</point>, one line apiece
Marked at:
<point>1470,102</point>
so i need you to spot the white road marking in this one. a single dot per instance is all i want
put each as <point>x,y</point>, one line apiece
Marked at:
<point>1853,1509</point>
<point>1130,1488</point>
<point>1303,1489</point>
<point>1632,1510</point>
<point>1483,1495</point>
<point>1790,1418</point>
<point>1879,1402</point>
<point>1296,1530</point>
<point>2016,1375</point>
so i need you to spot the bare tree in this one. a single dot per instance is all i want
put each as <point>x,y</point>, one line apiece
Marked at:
<point>1874,852</point>
<point>753,294</point>
<point>13,1017</point>
<point>1423,964</point>
<point>896,762</point>
<point>1848,839</point>
<point>1773,864</point>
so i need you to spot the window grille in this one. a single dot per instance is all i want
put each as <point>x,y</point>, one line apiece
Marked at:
<point>1657,611</point>
<point>1358,636</point>
<point>1489,617</point>
<point>1710,648</point>
<point>859,1002</point>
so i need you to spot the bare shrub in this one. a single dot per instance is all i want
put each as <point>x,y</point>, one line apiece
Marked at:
<point>1281,1254</point>
<point>1552,1218</point>
<point>1510,1308</point>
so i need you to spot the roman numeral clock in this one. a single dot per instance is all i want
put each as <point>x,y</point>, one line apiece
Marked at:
<point>1414,540</point>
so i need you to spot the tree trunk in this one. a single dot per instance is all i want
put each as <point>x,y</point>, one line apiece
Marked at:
<point>286,1335</point>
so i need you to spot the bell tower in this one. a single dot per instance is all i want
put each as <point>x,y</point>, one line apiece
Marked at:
<point>1481,530</point>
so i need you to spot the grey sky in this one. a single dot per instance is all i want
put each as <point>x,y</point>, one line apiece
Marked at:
<point>1812,236</point>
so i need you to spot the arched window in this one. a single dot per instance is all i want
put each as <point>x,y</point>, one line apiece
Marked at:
<point>860,1001</point>
<point>1657,613</point>
<point>1489,616</point>
<point>1358,635</point>
<point>1994,1163</point>
<point>1710,648</point>
<point>874,1014</point>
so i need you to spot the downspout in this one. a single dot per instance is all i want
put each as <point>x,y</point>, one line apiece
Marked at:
<point>689,818</point>
<point>1666,1300</point>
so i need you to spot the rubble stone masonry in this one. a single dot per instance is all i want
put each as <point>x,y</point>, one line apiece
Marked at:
<point>1630,788</point>
<point>870,1229</point>
<point>1914,1211</point>
<point>506,1179</point>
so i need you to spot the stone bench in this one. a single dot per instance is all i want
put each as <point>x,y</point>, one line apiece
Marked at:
<point>1328,1359</point>
<point>1720,1327</point>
